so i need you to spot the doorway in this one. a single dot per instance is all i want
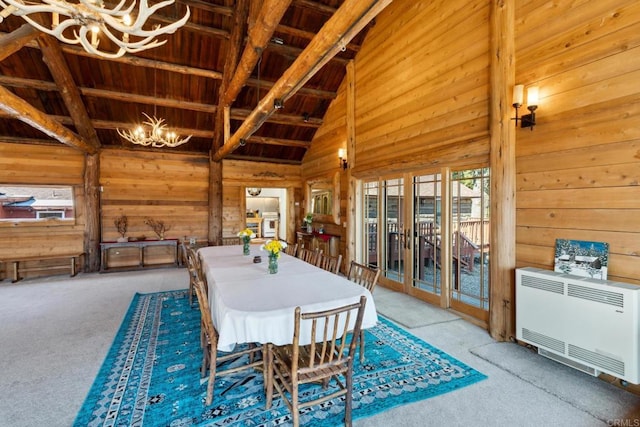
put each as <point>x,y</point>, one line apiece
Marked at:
<point>266,212</point>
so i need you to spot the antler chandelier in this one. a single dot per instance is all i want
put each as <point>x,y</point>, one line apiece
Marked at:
<point>81,23</point>
<point>155,134</point>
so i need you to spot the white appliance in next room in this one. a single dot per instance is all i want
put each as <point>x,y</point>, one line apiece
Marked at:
<point>269,223</point>
<point>588,324</point>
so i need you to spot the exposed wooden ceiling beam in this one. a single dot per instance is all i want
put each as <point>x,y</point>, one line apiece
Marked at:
<point>280,118</point>
<point>221,123</point>
<point>259,35</point>
<point>252,140</point>
<point>293,52</point>
<point>184,69</point>
<point>277,141</point>
<point>199,133</point>
<point>203,29</point>
<point>308,35</point>
<point>203,5</point>
<point>314,5</point>
<point>14,41</point>
<point>22,140</point>
<point>236,113</point>
<point>348,20</point>
<point>263,159</point>
<point>148,63</point>
<point>20,109</point>
<point>53,58</point>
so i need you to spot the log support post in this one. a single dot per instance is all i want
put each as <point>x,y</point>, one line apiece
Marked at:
<point>503,172</point>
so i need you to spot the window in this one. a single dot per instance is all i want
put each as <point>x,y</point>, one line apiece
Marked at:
<point>36,203</point>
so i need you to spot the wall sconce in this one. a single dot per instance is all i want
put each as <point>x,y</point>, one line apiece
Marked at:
<point>527,120</point>
<point>305,117</point>
<point>278,104</point>
<point>243,142</point>
<point>342,155</point>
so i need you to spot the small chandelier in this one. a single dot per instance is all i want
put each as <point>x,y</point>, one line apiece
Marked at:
<point>80,23</point>
<point>154,133</point>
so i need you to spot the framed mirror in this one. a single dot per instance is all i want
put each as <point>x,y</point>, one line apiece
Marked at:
<point>323,198</point>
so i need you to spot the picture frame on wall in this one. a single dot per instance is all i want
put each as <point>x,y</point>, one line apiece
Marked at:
<point>582,258</point>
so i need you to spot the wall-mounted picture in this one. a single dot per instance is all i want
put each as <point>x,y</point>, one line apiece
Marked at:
<point>582,258</point>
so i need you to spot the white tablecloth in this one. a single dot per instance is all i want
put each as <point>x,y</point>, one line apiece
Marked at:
<point>250,305</point>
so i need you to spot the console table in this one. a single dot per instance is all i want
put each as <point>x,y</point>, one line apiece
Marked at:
<point>141,246</point>
<point>329,244</point>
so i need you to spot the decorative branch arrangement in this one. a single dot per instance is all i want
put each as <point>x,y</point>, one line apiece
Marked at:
<point>158,227</point>
<point>121,224</point>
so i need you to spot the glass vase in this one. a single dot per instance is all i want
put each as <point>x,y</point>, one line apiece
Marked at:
<point>245,245</point>
<point>273,264</point>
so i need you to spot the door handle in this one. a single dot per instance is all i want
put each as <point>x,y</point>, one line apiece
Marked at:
<point>407,239</point>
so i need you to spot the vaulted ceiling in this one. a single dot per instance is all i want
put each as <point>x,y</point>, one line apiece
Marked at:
<point>241,54</point>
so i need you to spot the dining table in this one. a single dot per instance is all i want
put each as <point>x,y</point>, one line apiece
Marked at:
<point>250,305</point>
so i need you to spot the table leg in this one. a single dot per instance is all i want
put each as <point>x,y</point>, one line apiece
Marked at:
<point>15,272</point>
<point>73,266</point>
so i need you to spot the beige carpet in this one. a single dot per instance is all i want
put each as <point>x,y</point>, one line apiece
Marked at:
<point>409,311</point>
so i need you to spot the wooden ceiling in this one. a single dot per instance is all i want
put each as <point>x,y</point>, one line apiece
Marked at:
<point>242,54</point>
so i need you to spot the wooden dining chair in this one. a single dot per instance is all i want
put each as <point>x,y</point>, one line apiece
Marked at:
<point>367,277</point>
<point>190,261</point>
<point>309,255</point>
<point>210,358</point>
<point>330,263</point>
<point>291,249</point>
<point>328,357</point>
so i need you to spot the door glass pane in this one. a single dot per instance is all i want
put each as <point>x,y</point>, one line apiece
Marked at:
<point>393,243</point>
<point>427,216</point>
<point>470,240</point>
<point>371,223</point>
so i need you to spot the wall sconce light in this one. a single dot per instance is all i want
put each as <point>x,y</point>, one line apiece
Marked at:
<point>243,142</point>
<point>278,104</point>
<point>342,155</point>
<point>305,117</point>
<point>527,120</point>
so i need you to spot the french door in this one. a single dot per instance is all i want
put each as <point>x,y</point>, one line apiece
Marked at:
<point>433,243</point>
<point>384,229</point>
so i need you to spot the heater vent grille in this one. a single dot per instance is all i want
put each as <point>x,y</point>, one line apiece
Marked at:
<point>543,340</point>
<point>598,295</point>
<point>543,284</point>
<point>597,359</point>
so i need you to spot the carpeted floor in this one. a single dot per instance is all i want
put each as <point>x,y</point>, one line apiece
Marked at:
<point>55,333</point>
<point>151,375</point>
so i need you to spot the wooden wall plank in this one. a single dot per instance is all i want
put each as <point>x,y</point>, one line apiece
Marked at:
<point>172,188</point>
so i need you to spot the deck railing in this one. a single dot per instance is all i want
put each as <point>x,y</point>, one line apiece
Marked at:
<point>473,230</point>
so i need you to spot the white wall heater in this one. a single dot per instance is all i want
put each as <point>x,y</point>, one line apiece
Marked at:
<point>588,324</point>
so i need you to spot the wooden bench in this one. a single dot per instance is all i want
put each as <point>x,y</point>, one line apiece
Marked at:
<point>20,265</point>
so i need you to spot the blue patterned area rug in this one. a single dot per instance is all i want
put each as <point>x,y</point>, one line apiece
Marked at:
<point>151,375</point>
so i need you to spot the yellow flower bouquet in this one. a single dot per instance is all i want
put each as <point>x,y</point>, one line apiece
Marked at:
<point>274,247</point>
<point>246,235</point>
